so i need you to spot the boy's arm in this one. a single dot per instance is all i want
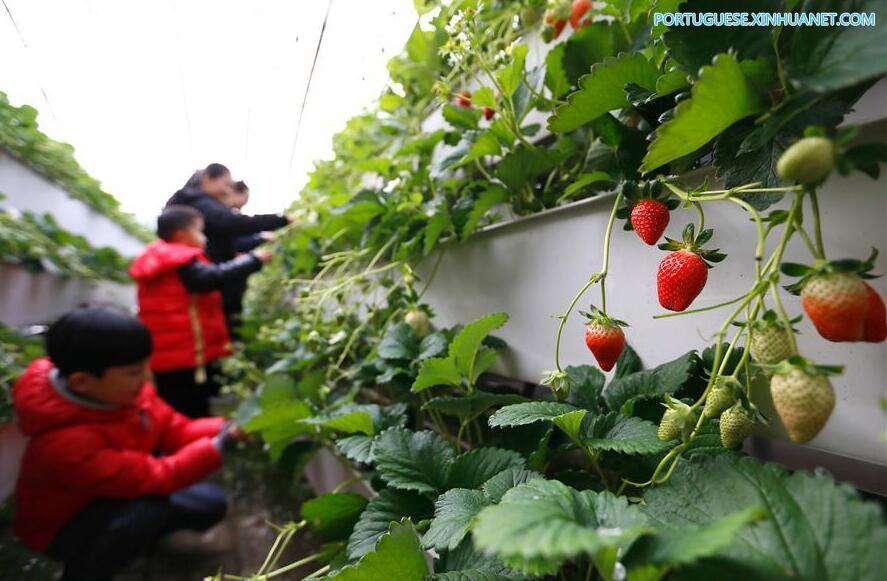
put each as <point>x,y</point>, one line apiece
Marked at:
<point>85,461</point>
<point>177,430</point>
<point>247,243</point>
<point>200,277</point>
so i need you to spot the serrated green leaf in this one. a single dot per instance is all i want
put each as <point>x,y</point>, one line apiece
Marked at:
<point>418,461</point>
<point>439,222</point>
<point>465,563</point>
<point>583,181</point>
<point>454,512</point>
<point>571,422</point>
<point>437,371</point>
<point>545,519</point>
<point>827,58</point>
<point>617,433</point>
<point>591,44</point>
<point>555,76</point>
<point>496,487</point>
<point>663,379</point>
<point>483,97</point>
<point>475,467</point>
<point>603,90</point>
<point>332,516</point>
<point>465,345</point>
<point>389,506</point>
<point>356,448</point>
<point>587,383</point>
<point>814,529</point>
<point>721,97</point>
<point>397,555</point>
<point>522,414</point>
<point>399,342</point>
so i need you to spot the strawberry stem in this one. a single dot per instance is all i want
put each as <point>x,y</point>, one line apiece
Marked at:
<point>817,225</point>
<point>777,300</point>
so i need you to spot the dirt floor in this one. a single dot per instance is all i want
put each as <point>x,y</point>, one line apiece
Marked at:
<point>258,493</point>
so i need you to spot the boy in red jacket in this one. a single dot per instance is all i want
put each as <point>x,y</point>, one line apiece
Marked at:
<point>91,491</point>
<point>181,304</point>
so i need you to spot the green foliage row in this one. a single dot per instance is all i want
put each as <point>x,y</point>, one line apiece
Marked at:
<point>39,244</point>
<point>16,352</point>
<point>20,136</point>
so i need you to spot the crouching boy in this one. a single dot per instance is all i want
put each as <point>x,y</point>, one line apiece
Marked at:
<point>93,491</point>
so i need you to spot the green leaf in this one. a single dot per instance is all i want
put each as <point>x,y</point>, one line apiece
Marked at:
<point>350,422</point>
<point>465,345</point>
<point>721,97</point>
<point>437,371</point>
<point>587,385</point>
<point>356,448</point>
<point>814,529</point>
<point>483,97</point>
<point>583,181</point>
<point>465,563</point>
<point>471,406</point>
<point>510,76</point>
<point>389,506</point>
<point>473,468</point>
<point>545,519</point>
<point>590,45</point>
<point>418,461</point>
<point>433,345</point>
<point>484,144</point>
<point>628,362</point>
<point>827,58</point>
<point>603,90</point>
<point>399,342</point>
<point>398,555</point>
<point>695,46</point>
<point>496,487</point>
<point>523,166</point>
<point>522,414</point>
<point>454,512</point>
<point>461,117</point>
<point>679,545</point>
<point>435,227</point>
<point>332,516</point>
<point>653,383</point>
<point>555,76</point>
<point>617,433</point>
<point>488,199</point>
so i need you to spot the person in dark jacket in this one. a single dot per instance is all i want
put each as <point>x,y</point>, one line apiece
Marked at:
<point>208,191</point>
<point>93,491</point>
<point>180,303</point>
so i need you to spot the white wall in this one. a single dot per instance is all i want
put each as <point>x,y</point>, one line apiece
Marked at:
<point>25,189</point>
<point>531,269</point>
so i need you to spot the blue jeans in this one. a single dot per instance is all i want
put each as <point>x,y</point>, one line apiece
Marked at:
<point>108,534</point>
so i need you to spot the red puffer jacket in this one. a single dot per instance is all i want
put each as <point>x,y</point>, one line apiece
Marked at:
<point>78,454</point>
<point>188,329</point>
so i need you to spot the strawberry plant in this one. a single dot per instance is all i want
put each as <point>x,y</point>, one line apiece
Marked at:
<point>636,475</point>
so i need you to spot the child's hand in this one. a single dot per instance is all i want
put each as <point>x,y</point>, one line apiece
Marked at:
<point>267,236</point>
<point>263,254</point>
<point>237,433</point>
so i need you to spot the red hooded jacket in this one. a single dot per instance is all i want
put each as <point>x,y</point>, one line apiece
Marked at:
<point>188,329</point>
<point>78,454</point>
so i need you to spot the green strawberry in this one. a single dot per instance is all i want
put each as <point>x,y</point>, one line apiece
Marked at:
<point>736,426</point>
<point>803,397</point>
<point>677,421</point>
<point>719,398</point>
<point>808,160</point>
<point>770,340</point>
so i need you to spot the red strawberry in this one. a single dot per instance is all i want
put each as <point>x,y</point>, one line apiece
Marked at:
<point>463,99</point>
<point>875,326</point>
<point>837,304</point>
<point>553,27</point>
<point>489,113</point>
<point>604,337</point>
<point>683,273</point>
<point>649,218</point>
<point>580,7</point>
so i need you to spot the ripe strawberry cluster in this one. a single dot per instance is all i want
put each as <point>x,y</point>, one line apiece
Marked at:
<point>834,295</point>
<point>560,11</point>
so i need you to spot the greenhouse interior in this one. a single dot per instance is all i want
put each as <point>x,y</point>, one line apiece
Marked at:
<point>445,290</point>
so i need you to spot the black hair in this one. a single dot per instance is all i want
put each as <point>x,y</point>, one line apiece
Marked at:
<point>215,170</point>
<point>241,187</point>
<point>175,218</point>
<point>92,339</point>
